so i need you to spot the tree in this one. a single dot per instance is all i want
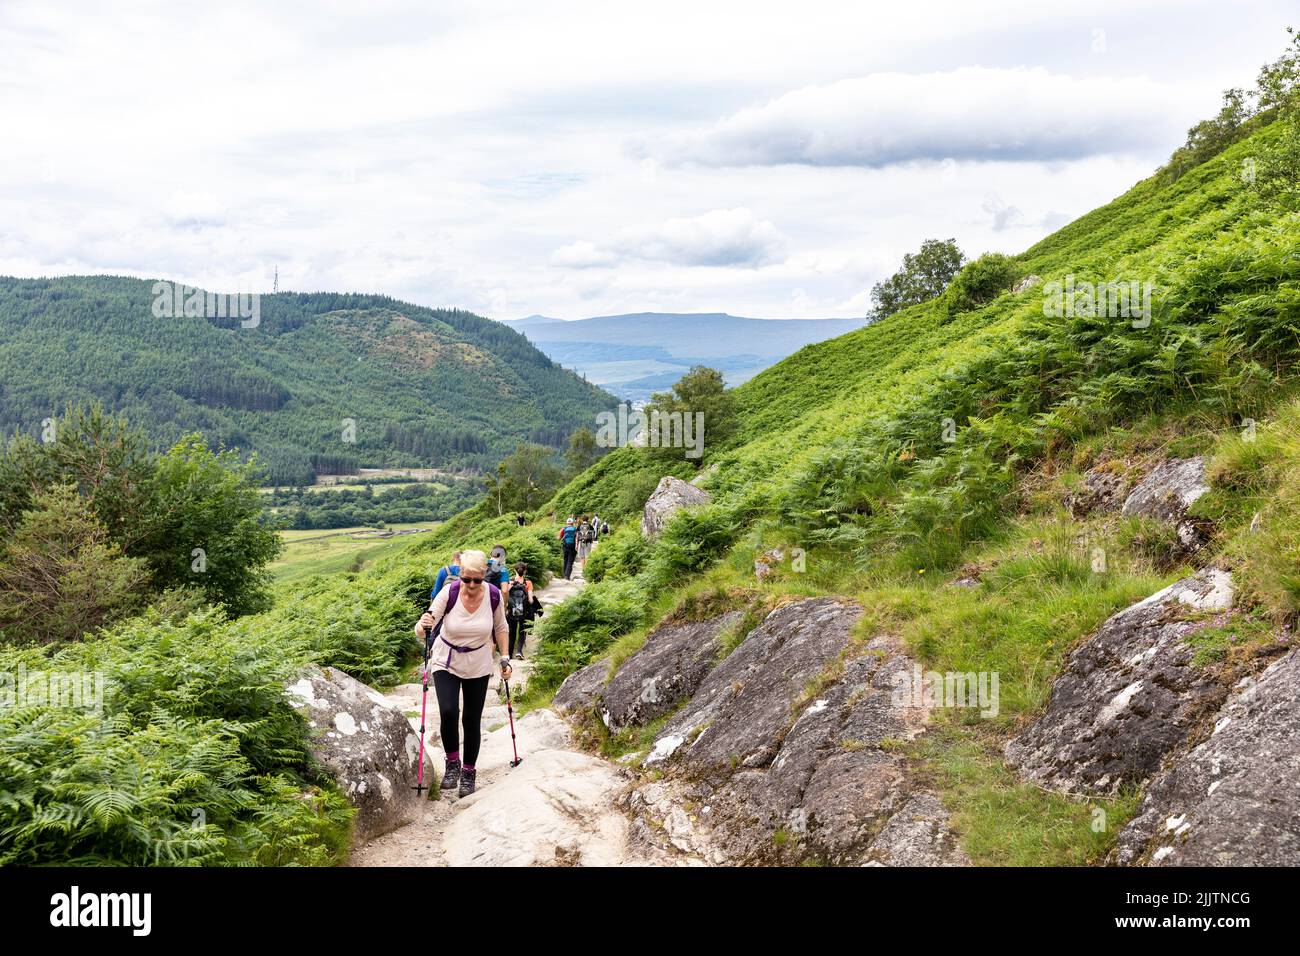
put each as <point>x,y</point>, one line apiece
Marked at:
<point>158,508</point>
<point>582,450</point>
<point>524,479</point>
<point>697,413</point>
<point>202,527</point>
<point>60,576</point>
<point>923,276</point>
<point>1210,137</point>
<point>1278,172</point>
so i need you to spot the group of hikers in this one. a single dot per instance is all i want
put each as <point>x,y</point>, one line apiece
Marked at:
<point>578,537</point>
<point>475,603</point>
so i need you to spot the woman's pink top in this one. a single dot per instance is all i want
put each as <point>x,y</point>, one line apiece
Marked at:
<point>473,632</point>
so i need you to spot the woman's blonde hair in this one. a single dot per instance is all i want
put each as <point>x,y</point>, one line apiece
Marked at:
<point>473,561</point>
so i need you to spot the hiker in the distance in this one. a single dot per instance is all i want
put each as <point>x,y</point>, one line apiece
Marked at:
<point>498,571</point>
<point>449,572</point>
<point>595,527</point>
<point>568,536</point>
<point>522,606</point>
<point>473,632</point>
<point>522,521</point>
<point>585,537</point>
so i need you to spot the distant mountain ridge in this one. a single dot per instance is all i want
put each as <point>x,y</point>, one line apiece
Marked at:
<point>637,353</point>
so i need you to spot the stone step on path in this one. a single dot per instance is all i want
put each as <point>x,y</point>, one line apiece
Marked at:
<point>557,807</point>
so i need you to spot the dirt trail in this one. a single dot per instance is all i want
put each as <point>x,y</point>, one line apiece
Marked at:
<point>555,808</point>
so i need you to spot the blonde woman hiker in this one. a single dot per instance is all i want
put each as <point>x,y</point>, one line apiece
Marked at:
<point>466,627</point>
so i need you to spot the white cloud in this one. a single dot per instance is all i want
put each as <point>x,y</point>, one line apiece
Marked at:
<point>582,255</point>
<point>475,155</point>
<point>973,113</point>
<point>720,237</point>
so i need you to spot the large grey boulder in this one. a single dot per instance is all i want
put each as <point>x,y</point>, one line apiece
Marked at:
<point>1167,493</point>
<point>1234,799</point>
<point>744,706</point>
<point>582,688</point>
<point>831,782</point>
<point>776,775</point>
<point>1127,697</point>
<point>667,669</point>
<point>367,744</point>
<point>670,496</point>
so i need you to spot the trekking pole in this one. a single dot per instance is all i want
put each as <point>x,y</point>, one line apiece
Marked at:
<point>510,712</point>
<point>424,698</point>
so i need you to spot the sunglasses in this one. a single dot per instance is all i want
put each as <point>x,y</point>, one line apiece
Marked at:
<point>472,580</point>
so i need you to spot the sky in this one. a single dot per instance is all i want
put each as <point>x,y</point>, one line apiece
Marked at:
<point>581,158</point>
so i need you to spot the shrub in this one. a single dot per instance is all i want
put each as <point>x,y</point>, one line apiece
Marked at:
<point>157,508</point>
<point>194,755</point>
<point>621,554</point>
<point>691,539</point>
<point>60,576</point>
<point>980,282</point>
<point>574,633</point>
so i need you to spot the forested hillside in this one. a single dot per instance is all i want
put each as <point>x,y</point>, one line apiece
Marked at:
<point>324,382</point>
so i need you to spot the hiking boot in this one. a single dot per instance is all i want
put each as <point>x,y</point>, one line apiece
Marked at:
<point>451,775</point>
<point>466,781</point>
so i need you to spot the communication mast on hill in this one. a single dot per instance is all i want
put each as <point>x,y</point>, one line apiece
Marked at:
<point>275,283</point>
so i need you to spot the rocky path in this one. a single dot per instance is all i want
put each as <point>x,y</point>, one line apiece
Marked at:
<point>555,808</point>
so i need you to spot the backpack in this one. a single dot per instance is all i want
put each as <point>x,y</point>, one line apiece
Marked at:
<point>451,576</point>
<point>604,528</point>
<point>517,606</point>
<point>584,532</point>
<point>569,534</point>
<point>494,596</point>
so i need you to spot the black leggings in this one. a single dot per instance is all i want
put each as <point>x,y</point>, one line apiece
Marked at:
<point>449,687</point>
<point>517,635</point>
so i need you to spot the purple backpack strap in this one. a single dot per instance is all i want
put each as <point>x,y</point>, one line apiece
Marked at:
<point>453,592</point>
<point>494,595</point>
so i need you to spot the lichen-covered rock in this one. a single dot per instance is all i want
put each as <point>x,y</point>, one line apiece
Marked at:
<point>745,704</point>
<point>917,835</point>
<point>662,821</point>
<point>832,783</point>
<point>665,671</point>
<point>1100,490</point>
<point>1128,696</point>
<point>1028,282</point>
<point>582,688</point>
<point>1234,799</point>
<point>367,744</point>
<point>670,496</point>
<point>774,776</point>
<point>1167,493</point>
